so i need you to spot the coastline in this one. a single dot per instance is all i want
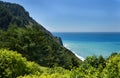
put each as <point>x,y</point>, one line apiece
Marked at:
<point>90,44</point>
<point>79,57</point>
<point>60,41</point>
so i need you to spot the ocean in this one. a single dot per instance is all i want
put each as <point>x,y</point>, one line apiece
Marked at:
<point>90,44</point>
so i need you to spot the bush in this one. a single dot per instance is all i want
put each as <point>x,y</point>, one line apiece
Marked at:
<point>12,64</point>
<point>112,69</point>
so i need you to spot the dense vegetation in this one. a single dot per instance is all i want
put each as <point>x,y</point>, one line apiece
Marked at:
<point>37,46</point>
<point>27,50</point>
<point>12,14</point>
<point>13,65</point>
<point>19,32</point>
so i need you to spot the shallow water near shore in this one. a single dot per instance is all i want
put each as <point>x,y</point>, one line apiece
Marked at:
<point>89,44</point>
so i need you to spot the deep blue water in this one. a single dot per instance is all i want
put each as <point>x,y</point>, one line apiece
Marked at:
<point>89,44</point>
<point>95,37</point>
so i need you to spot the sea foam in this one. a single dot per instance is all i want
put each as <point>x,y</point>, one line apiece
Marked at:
<point>67,46</point>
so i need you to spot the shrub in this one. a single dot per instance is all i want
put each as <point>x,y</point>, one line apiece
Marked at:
<point>12,64</point>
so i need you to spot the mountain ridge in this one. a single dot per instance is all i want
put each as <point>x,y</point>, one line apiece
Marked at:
<point>21,33</point>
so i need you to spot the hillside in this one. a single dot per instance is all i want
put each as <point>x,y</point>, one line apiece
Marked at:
<point>16,14</point>
<point>13,65</point>
<point>19,32</point>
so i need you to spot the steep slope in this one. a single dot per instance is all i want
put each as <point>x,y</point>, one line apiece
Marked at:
<point>16,14</point>
<point>11,13</point>
<point>21,33</point>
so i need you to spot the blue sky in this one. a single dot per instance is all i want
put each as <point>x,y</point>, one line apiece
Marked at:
<point>74,15</point>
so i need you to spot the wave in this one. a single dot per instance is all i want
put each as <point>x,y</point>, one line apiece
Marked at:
<point>80,57</point>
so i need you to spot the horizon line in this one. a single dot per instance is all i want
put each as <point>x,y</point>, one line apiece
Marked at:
<point>81,32</point>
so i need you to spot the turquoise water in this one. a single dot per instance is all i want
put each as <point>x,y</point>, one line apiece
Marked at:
<point>89,44</point>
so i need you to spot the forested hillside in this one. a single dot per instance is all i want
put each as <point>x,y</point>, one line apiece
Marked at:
<point>19,32</point>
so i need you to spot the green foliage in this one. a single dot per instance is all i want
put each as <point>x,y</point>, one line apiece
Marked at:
<point>13,14</point>
<point>13,64</point>
<point>85,70</point>
<point>36,45</point>
<point>95,62</point>
<point>22,34</point>
<point>112,69</point>
<point>56,72</point>
<point>94,67</point>
<point>55,75</point>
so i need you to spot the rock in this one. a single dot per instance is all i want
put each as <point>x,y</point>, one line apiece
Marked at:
<point>59,40</point>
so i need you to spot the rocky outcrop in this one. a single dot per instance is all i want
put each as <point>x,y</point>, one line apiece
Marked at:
<point>59,40</point>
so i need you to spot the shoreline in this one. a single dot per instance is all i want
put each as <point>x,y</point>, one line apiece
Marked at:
<point>79,57</point>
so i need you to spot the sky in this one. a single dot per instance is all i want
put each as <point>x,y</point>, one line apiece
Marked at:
<point>74,15</point>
